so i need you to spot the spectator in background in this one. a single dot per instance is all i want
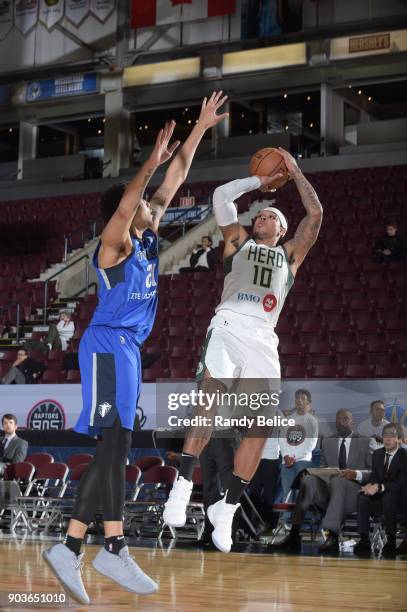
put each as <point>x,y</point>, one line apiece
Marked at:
<point>60,334</point>
<point>24,371</point>
<point>12,448</point>
<point>373,426</point>
<point>203,257</point>
<point>265,483</point>
<point>390,247</point>
<point>381,490</point>
<point>297,442</point>
<point>335,494</point>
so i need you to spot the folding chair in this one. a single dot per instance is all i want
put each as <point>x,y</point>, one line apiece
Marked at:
<point>40,459</point>
<point>17,481</point>
<point>41,511</point>
<point>144,515</point>
<point>145,463</point>
<point>78,459</point>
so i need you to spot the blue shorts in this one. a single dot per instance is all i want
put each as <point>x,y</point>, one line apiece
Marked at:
<point>110,364</point>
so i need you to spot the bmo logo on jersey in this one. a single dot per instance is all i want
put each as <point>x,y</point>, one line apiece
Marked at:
<point>248,297</point>
<point>46,414</point>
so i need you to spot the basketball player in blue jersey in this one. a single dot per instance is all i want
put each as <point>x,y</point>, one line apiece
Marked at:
<point>126,261</point>
<point>241,342</point>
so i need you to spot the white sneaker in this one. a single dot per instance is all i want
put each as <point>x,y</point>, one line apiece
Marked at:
<point>175,508</point>
<point>221,516</point>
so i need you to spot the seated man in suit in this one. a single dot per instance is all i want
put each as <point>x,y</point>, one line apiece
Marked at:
<point>12,448</point>
<point>335,495</point>
<point>383,490</point>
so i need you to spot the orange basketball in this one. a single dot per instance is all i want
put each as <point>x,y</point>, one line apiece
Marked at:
<point>267,162</point>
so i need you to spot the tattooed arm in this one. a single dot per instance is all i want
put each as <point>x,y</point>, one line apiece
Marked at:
<point>308,229</point>
<point>178,169</point>
<point>116,240</point>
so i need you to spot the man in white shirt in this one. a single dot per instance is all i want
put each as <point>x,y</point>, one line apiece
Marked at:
<point>59,335</point>
<point>12,448</point>
<point>297,442</point>
<point>373,426</point>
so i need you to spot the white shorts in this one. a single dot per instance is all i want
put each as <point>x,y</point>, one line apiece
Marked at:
<point>239,346</point>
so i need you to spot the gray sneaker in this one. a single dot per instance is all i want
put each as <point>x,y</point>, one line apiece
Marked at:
<point>124,570</point>
<point>67,568</point>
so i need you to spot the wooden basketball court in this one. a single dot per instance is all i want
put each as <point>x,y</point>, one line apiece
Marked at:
<point>204,580</point>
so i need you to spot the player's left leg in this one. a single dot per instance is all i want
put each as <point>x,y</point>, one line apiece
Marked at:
<point>221,514</point>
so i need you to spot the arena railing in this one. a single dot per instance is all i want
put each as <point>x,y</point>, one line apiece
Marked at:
<point>73,263</point>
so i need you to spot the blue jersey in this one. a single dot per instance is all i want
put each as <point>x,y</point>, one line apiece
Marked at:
<point>128,291</point>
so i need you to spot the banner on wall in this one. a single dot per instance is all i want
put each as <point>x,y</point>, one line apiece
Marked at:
<point>102,9</point>
<point>57,407</point>
<point>25,15</point>
<point>51,12</point>
<point>71,85</point>
<point>77,10</point>
<point>6,18</point>
<point>151,13</point>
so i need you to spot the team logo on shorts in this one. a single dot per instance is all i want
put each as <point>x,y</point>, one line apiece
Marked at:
<point>104,409</point>
<point>200,368</point>
<point>269,302</point>
<point>122,340</point>
<point>296,435</point>
<point>46,414</point>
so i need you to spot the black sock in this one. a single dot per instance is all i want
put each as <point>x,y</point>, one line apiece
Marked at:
<point>295,531</point>
<point>187,465</point>
<point>73,544</point>
<point>236,487</point>
<point>115,544</point>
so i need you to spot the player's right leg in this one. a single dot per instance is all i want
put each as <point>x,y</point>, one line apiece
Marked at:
<point>196,440</point>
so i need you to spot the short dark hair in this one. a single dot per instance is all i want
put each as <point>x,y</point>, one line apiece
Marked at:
<point>209,239</point>
<point>304,392</point>
<point>393,427</point>
<point>110,200</point>
<point>376,402</point>
<point>9,417</point>
<point>391,224</point>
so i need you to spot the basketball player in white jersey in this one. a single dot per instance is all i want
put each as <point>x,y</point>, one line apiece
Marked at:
<point>241,341</point>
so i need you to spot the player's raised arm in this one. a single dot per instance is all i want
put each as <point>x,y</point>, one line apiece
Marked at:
<point>178,169</point>
<point>308,229</point>
<point>225,209</point>
<point>115,235</point>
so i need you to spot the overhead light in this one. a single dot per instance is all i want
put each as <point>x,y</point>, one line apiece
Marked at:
<point>186,109</point>
<point>285,96</point>
<point>141,127</point>
<point>359,92</point>
<point>299,155</point>
<point>308,98</point>
<point>189,120</point>
<point>242,115</point>
<point>349,86</point>
<point>311,125</point>
<point>89,120</point>
<point>104,119</point>
<point>250,131</point>
<point>99,131</point>
<point>11,130</point>
<point>286,127</point>
<point>146,127</point>
<point>370,98</point>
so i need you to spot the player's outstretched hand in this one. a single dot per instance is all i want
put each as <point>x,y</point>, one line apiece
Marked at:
<point>208,117</point>
<point>162,151</point>
<point>291,164</point>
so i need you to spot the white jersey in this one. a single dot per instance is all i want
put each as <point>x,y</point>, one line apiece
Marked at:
<point>257,281</point>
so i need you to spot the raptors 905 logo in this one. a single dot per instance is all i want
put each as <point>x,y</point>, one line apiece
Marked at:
<point>45,415</point>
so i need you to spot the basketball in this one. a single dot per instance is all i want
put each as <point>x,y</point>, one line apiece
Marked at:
<point>267,162</point>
